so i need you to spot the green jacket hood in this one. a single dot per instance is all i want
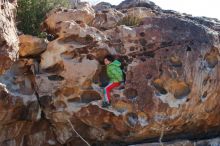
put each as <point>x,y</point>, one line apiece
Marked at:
<point>116,63</point>
<point>114,71</point>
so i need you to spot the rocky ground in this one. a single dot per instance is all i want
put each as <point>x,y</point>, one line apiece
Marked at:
<point>210,142</point>
<point>172,84</point>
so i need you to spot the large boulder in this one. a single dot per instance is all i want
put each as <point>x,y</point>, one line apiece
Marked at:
<point>68,67</point>
<point>31,46</point>
<point>102,6</point>
<point>8,36</point>
<point>168,80</point>
<point>126,4</point>
<point>84,13</point>
<point>21,119</point>
<point>107,19</point>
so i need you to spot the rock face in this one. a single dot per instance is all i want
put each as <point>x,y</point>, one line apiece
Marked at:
<point>171,91</point>
<point>8,36</point>
<point>210,142</point>
<point>20,118</point>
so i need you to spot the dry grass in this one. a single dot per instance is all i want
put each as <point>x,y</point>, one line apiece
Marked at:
<point>130,21</point>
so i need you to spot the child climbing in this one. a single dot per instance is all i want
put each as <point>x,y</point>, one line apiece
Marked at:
<point>115,74</point>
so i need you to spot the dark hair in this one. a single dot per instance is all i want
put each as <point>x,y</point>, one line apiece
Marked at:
<point>109,57</point>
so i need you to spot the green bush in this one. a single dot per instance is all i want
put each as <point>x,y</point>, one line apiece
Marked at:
<point>130,21</point>
<point>31,13</point>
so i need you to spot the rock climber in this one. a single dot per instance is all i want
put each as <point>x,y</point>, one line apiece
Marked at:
<point>115,74</point>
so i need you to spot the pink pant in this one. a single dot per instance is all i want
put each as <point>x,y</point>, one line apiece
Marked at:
<point>108,89</point>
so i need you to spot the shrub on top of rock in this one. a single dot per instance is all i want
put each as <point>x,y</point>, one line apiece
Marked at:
<point>31,13</point>
<point>130,21</point>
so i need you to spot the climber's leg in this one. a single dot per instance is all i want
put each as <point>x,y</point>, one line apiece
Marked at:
<point>108,89</point>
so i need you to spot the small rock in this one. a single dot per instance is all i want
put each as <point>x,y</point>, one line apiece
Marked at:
<point>89,96</point>
<point>132,119</point>
<point>175,61</point>
<point>158,84</point>
<point>212,60</point>
<point>55,78</point>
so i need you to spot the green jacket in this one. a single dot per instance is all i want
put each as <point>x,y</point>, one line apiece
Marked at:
<point>114,71</point>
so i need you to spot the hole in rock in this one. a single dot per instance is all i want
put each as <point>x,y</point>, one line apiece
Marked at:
<point>59,22</point>
<point>142,118</point>
<point>204,95</point>
<point>158,84</point>
<point>175,28</point>
<point>90,57</point>
<point>50,37</point>
<point>78,21</point>
<point>55,78</point>
<point>75,99</point>
<point>149,76</point>
<point>9,18</point>
<point>143,59</point>
<point>20,113</point>
<point>150,45</point>
<point>60,104</point>
<point>2,43</point>
<point>66,91</point>
<point>187,100</point>
<point>106,126</point>
<point>144,49</point>
<point>143,42</point>
<point>181,90</point>
<point>116,95</point>
<point>188,48</point>
<point>77,40</point>
<point>45,101</point>
<point>69,55</point>
<point>58,67</point>
<point>166,44</point>
<point>89,96</point>
<point>142,34</point>
<point>132,119</point>
<point>89,38</point>
<point>149,54</point>
<point>205,81</point>
<point>212,60</point>
<point>175,61</point>
<point>162,90</point>
<point>83,50</point>
<point>4,97</point>
<point>100,54</point>
<point>130,93</point>
<point>122,106</point>
<point>132,48</point>
<point>101,77</point>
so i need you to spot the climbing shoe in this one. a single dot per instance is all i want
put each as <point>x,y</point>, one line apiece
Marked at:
<point>105,104</point>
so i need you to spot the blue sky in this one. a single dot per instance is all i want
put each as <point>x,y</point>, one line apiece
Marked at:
<point>208,8</point>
